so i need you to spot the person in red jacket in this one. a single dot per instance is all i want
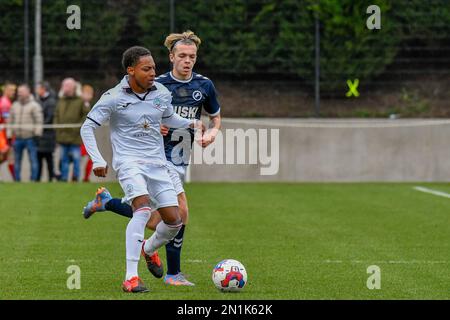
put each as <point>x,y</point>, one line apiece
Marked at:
<point>87,94</point>
<point>6,100</point>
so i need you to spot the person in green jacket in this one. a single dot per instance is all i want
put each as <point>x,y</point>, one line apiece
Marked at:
<point>70,109</point>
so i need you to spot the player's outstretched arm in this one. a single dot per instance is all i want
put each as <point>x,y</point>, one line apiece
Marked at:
<point>173,120</point>
<point>99,114</point>
<point>87,135</point>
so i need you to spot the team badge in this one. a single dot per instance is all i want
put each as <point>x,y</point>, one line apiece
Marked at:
<point>157,103</point>
<point>129,188</point>
<point>197,95</point>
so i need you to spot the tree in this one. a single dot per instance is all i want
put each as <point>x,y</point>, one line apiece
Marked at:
<point>11,33</point>
<point>349,50</point>
<point>101,26</point>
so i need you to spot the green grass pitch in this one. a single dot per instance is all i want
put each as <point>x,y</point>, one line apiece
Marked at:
<point>297,241</point>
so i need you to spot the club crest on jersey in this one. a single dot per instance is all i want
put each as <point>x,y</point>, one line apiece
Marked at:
<point>129,188</point>
<point>157,103</point>
<point>197,95</point>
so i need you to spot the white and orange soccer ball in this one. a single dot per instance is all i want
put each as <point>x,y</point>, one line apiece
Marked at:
<point>229,275</point>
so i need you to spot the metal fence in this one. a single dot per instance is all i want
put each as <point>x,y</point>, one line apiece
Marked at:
<point>322,67</point>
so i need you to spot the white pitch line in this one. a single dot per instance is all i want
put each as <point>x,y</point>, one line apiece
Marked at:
<point>431,191</point>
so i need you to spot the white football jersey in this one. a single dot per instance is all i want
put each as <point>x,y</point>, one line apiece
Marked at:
<point>134,123</point>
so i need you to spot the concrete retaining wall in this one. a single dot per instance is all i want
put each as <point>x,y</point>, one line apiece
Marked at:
<point>324,151</point>
<point>347,150</point>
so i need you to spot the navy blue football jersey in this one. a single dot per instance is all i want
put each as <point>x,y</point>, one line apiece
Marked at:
<point>189,98</point>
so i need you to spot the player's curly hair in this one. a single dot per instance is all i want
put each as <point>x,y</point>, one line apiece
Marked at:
<point>187,37</point>
<point>132,55</point>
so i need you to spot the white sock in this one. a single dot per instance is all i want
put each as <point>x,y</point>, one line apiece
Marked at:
<point>163,234</point>
<point>134,238</point>
<point>132,269</point>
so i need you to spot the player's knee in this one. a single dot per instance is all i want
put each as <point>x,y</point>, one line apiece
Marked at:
<point>140,202</point>
<point>151,225</point>
<point>155,218</point>
<point>173,219</point>
<point>176,223</point>
<point>170,215</point>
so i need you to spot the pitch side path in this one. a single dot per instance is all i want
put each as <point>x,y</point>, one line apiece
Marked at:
<point>297,241</point>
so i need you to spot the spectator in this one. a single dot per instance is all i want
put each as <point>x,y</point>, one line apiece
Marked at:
<point>6,100</point>
<point>69,110</point>
<point>26,120</point>
<point>4,146</point>
<point>47,142</point>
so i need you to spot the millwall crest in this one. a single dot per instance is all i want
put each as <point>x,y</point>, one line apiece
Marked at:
<point>197,95</point>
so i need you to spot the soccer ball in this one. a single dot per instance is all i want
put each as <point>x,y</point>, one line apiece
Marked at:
<point>229,275</point>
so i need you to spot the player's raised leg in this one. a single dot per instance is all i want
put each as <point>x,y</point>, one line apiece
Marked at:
<point>121,208</point>
<point>103,201</point>
<point>102,197</point>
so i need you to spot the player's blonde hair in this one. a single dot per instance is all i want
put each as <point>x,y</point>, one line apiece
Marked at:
<point>187,37</point>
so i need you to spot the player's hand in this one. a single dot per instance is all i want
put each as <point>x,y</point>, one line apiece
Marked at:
<point>101,172</point>
<point>208,138</point>
<point>164,130</point>
<point>200,129</point>
<point>200,126</point>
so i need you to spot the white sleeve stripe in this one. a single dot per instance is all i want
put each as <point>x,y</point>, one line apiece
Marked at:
<point>214,114</point>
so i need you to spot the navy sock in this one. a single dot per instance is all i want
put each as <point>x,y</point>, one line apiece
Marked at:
<point>173,252</point>
<point>115,205</point>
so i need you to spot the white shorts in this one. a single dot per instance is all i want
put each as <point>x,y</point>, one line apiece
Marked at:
<point>177,174</point>
<point>147,179</point>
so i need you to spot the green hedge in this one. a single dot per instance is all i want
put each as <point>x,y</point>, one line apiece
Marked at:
<point>101,27</point>
<point>239,36</point>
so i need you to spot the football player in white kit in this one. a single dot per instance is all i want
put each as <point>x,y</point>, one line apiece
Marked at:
<point>191,93</point>
<point>135,109</point>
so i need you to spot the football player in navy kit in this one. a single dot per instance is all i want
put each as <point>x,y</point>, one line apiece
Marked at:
<point>191,93</point>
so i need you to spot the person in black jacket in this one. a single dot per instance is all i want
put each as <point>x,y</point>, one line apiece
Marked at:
<point>47,142</point>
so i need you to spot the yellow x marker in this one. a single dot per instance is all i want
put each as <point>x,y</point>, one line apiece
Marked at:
<point>353,86</point>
